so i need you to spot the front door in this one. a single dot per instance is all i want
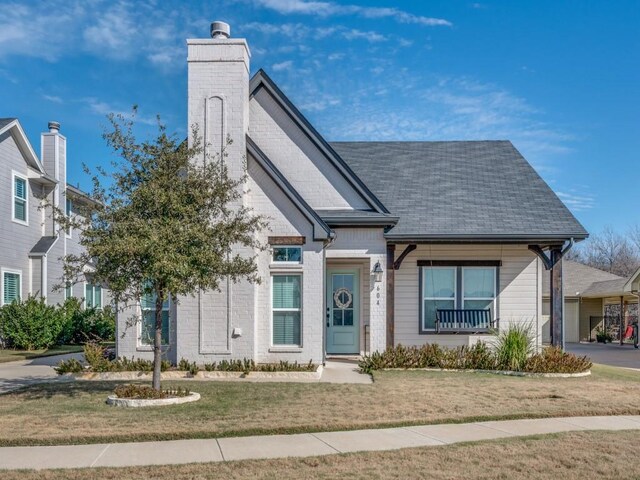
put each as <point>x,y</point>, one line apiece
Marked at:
<point>343,311</point>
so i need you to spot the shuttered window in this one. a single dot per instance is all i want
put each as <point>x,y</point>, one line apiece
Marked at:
<point>93,296</point>
<point>287,311</point>
<point>148,306</point>
<point>11,287</point>
<point>19,199</point>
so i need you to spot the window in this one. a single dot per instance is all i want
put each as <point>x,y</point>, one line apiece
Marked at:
<point>69,211</point>
<point>20,205</point>
<point>148,307</point>
<point>11,287</point>
<point>68,291</point>
<point>439,291</point>
<point>456,287</point>
<point>287,254</point>
<point>93,296</point>
<point>287,311</point>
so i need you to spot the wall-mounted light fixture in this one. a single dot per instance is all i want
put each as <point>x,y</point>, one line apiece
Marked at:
<point>377,272</point>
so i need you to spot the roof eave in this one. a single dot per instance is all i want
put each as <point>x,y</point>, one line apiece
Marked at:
<point>483,238</point>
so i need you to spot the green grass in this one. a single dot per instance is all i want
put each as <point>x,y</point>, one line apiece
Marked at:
<point>9,355</point>
<point>73,413</point>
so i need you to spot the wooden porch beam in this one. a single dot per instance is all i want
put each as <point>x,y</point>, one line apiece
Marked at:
<point>621,319</point>
<point>391,274</point>
<point>409,248</point>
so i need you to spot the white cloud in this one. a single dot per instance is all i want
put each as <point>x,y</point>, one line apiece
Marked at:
<point>327,9</point>
<point>52,98</point>
<point>103,108</point>
<point>335,56</point>
<point>576,201</point>
<point>354,34</point>
<point>278,67</point>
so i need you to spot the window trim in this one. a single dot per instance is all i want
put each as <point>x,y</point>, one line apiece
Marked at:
<point>93,295</point>
<point>286,262</point>
<point>69,286</point>
<point>459,265</point>
<point>278,346</point>
<point>140,346</point>
<point>4,271</point>
<point>22,177</point>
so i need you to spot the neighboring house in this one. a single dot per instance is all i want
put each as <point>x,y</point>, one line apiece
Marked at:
<point>587,293</point>
<point>31,243</point>
<point>371,243</point>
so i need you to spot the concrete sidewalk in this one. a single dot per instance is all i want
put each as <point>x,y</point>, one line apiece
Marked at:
<point>300,445</point>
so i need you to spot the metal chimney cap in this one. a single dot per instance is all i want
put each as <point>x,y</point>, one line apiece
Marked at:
<point>220,30</point>
<point>54,126</point>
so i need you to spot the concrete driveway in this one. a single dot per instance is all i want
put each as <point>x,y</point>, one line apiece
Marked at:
<point>608,354</point>
<point>14,375</point>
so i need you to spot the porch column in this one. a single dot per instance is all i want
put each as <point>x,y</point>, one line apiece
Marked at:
<point>391,293</point>
<point>556,298</point>
<point>621,319</point>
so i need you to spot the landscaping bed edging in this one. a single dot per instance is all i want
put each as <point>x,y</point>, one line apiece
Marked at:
<point>201,375</point>
<point>509,373</point>
<point>115,401</point>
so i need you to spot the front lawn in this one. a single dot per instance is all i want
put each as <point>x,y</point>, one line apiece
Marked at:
<point>570,456</point>
<point>60,413</point>
<point>10,355</point>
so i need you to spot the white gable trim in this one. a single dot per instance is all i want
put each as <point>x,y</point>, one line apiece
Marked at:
<point>23,144</point>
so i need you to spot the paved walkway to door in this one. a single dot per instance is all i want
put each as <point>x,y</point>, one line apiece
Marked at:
<point>608,354</point>
<point>299,445</point>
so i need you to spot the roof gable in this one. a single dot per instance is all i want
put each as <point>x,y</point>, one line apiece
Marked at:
<point>578,278</point>
<point>262,81</point>
<point>461,191</point>
<point>13,126</point>
<point>321,230</point>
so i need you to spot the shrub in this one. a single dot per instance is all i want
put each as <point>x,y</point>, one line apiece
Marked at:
<point>30,324</point>
<point>554,360</point>
<point>144,392</point>
<point>86,324</point>
<point>186,366</point>
<point>98,358</point>
<point>69,366</point>
<point>603,335</point>
<point>513,347</point>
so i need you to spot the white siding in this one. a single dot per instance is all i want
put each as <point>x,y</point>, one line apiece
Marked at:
<point>518,294</point>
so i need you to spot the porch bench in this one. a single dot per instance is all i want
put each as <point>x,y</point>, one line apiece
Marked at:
<point>464,321</point>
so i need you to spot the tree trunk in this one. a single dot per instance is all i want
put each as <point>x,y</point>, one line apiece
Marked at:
<point>157,343</point>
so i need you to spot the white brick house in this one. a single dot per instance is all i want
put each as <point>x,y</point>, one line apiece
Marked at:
<point>371,243</point>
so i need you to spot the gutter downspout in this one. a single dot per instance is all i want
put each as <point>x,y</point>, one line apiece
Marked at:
<point>331,241</point>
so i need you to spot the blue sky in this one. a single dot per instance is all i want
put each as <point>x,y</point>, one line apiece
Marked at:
<point>558,79</point>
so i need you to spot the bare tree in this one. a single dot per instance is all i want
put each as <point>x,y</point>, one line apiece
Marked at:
<point>611,252</point>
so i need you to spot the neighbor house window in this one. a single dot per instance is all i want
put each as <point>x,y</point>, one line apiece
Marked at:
<point>287,254</point>
<point>287,309</point>
<point>456,287</point>
<point>93,296</point>
<point>11,287</point>
<point>148,328</point>
<point>20,204</point>
<point>69,210</point>
<point>68,291</point>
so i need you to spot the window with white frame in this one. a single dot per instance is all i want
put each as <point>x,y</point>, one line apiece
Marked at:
<point>93,296</point>
<point>282,254</point>
<point>460,287</point>
<point>20,202</point>
<point>11,286</point>
<point>68,290</point>
<point>148,325</point>
<point>286,291</point>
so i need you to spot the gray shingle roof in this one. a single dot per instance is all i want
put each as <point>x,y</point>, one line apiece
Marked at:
<point>606,288</point>
<point>43,246</point>
<point>5,121</point>
<point>578,277</point>
<point>460,190</point>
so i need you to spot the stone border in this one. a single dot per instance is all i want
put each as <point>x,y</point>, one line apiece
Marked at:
<point>115,401</point>
<point>201,375</point>
<point>509,373</point>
